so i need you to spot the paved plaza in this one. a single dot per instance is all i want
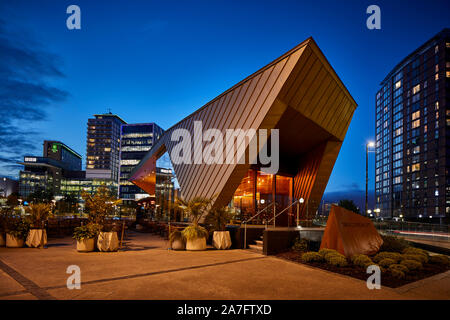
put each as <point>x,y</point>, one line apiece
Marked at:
<point>145,269</point>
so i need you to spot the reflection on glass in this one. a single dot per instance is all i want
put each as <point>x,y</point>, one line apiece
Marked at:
<point>243,197</point>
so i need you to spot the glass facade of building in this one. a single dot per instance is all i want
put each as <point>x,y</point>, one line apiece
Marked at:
<point>412,135</point>
<point>258,190</point>
<point>136,141</point>
<point>103,147</point>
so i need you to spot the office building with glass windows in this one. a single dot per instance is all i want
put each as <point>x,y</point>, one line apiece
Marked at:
<point>136,140</point>
<point>103,146</point>
<point>412,135</point>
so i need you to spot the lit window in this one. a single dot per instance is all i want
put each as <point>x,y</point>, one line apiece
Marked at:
<point>398,84</point>
<point>415,115</point>
<point>415,167</point>
<point>416,89</point>
<point>436,76</point>
<point>415,124</point>
<point>107,149</point>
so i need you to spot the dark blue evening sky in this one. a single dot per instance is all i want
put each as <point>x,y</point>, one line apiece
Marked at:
<point>157,61</point>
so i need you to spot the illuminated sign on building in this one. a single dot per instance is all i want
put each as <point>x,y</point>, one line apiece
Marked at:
<point>30,159</point>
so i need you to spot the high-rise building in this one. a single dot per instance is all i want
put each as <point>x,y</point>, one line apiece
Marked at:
<point>412,135</point>
<point>103,146</point>
<point>136,141</point>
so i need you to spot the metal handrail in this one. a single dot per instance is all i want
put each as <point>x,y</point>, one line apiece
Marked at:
<point>274,217</point>
<point>259,212</point>
<point>250,219</point>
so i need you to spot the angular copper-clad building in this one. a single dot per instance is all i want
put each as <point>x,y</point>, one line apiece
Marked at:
<point>300,94</point>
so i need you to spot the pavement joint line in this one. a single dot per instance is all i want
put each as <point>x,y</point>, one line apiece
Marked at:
<point>29,285</point>
<point>140,275</point>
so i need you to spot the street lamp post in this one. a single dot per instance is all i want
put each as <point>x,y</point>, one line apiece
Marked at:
<point>301,200</point>
<point>369,144</point>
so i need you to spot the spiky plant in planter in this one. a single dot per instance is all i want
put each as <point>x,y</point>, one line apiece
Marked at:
<point>196,208</point>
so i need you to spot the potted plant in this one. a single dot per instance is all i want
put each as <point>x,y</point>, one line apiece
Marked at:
<point>17,232</point>
<point>195,235</point>
<point>85,236</point>
<point>101,204</point>
<point>39,213</point>
<point>177,241</point>
<point>218,218</point>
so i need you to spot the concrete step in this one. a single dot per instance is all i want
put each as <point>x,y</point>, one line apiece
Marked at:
<point>259,242</point>
<point>255,247</point>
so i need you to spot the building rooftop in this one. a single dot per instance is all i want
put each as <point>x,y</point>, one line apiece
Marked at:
<point>109,114</point>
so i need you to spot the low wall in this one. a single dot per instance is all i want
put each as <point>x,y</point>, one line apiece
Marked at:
<point>278,240</point>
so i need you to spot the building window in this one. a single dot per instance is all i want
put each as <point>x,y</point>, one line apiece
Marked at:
<point>415,115</point>
<point>415,167</point>
<point>415,123</point>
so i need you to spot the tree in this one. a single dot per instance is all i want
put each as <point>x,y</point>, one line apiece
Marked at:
<point>100,204</point>
<point>39,212</point>
<point>349,205</point>
<point>12,200</point>
<point>41,195</point>
<point>195,208</point>
<point>219,217</point>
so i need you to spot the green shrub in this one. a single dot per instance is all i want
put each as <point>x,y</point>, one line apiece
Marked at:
<point>301,245</point>
<point>393,244</point>
<point>412,264</point>
<point>337,261</point>
<point>312,256</point>
<point>397,273</point>
<point>386,262</point>
<point>88,231</point>
<point>440,259</point>
<point>418,257</point>
<point>326,251</point>
<point>18,228</point>
<point>397,257</point>
<point>399,267</point>
<point>412,250</point>
<point>361,260</point>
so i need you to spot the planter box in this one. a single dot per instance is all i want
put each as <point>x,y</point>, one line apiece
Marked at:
<point>178,244</point>
<point>2,240</point>
<point>196,244</point>
<point>13,242</point>
<point>221,240</point>
<point>108,241</point>
<point>35,237</point>
<point>86,245</point>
